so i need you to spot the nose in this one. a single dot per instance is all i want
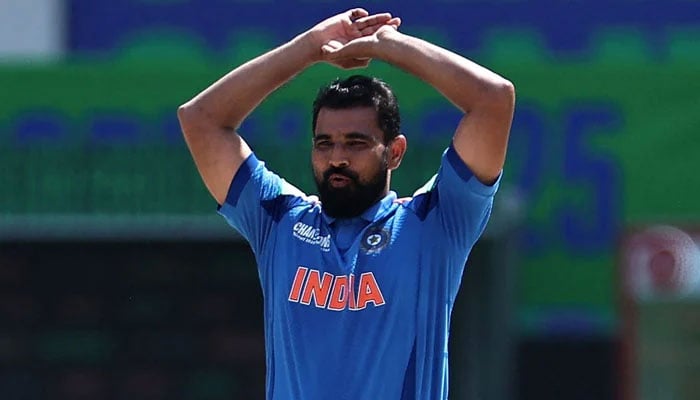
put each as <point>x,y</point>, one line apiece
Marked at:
<point>339,157</point>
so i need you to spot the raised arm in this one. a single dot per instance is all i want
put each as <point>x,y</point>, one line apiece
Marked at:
<point>486,98</point>
<point>209,121</point>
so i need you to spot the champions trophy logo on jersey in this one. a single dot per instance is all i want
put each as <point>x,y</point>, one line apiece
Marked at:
<point>311,235</point>
<point>375,240</point>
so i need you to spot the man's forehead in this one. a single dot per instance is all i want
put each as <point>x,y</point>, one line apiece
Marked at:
<point>345,136</point>
<point>347,121</point>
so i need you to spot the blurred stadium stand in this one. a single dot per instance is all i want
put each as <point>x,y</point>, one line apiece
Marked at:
<point>130,320</point>
<point>118,281</point>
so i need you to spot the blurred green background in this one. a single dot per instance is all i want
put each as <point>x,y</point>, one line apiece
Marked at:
<point>605,136</point>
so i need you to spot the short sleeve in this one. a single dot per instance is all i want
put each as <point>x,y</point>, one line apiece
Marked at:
<point>256,200</point>
<point>460,204</point>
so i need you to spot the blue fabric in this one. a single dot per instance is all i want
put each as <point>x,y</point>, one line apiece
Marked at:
<point>241,178</point>
<point>370,321</point>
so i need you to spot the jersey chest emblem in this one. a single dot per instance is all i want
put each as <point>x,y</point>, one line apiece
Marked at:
<point>375,240</point>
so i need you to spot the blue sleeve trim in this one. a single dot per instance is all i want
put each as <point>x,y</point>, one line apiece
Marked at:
<point>457,164</point>
<point>464,173</point>
<point>240,179</point>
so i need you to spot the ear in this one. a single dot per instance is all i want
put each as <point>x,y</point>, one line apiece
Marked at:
<point>397,148</point>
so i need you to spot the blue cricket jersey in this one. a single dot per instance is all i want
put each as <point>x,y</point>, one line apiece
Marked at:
<point>359,309</point>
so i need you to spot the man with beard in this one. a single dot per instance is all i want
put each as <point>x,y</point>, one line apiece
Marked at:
<point>358,289</point>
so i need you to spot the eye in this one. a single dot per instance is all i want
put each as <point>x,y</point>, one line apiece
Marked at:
<point>322,144</point>
<point>357,143</point>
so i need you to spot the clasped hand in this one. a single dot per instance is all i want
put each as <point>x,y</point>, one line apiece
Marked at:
<point>348,40</point>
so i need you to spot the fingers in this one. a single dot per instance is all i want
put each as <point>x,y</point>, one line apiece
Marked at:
<point>395,22</point>
<point>354,49</point>
<point>357,26</point>
<point>332,57</point>
<point>365,26</point>
<point>370,20</point>
<point>340,55</point>
<point>331,46</point>
<point>371,30</point>
<point>356,13</point>
<point>353,63</point>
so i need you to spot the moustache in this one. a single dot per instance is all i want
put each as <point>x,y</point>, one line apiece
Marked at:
<point>340,171</point>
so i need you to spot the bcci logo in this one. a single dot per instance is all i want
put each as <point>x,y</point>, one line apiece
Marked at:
<point>375,240</point>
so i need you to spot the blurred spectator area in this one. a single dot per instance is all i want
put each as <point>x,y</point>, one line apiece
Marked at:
<point>130,320</point>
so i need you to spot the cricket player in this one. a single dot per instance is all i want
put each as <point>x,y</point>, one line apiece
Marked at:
<point>358,287</point>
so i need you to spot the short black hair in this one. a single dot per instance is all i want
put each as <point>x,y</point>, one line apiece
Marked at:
<point>361,91</point>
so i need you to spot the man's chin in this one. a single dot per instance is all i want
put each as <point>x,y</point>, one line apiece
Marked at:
<point>342,213</point>
<point>337,193</point>
<point>342,206</point>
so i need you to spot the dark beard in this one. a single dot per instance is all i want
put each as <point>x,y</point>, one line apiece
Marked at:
<point>352,200</point>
